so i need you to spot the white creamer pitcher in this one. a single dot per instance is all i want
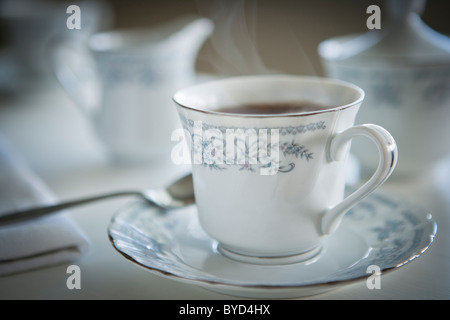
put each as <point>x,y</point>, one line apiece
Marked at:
<point>124,80</point>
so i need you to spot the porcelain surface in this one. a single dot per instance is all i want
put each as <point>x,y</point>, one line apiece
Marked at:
<point>292,195</point>
<point>123,81</point>
<point>405,73</point>
<point>380,230</point>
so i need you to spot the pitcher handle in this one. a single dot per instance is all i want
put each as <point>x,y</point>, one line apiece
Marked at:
<point>387,148</point>
<point>75,70</point>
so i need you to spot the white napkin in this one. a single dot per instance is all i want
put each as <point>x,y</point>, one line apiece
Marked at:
<point>36,243</point>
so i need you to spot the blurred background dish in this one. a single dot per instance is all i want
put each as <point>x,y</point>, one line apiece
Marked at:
<point>31,24</point>
<point>404,68</point>
<point>250,37</point>
<point>56,139</point>
<point>124,80</point>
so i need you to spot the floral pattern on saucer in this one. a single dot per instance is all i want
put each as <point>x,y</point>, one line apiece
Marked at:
<point>379,230</point>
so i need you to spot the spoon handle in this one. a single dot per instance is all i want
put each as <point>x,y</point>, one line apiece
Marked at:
<point>31,213</point>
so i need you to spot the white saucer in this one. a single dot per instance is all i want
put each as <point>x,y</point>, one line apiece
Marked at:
<point>380,231</point>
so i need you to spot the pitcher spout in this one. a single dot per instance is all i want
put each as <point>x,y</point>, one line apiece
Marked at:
<point>189,34</point>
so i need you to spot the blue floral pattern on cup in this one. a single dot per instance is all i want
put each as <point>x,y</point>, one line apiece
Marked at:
<point>290,151</point>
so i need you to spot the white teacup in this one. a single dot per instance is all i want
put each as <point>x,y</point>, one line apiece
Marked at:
<point>124,81</point>
<point>280,204</point>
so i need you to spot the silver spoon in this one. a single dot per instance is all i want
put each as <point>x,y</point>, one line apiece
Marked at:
<point>177,195</point>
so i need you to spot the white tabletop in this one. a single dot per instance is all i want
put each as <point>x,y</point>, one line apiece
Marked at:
<point>57,140</point>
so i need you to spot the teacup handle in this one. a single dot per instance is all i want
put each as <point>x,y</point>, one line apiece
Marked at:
<point>388,158</point>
